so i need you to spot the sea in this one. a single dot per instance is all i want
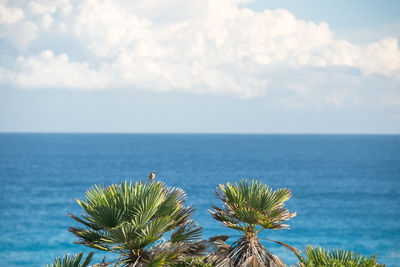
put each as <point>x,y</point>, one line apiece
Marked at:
<point>345,188</point>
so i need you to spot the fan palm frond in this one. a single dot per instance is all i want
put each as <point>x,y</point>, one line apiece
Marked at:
<point>72,261</point>
<point>132,220</point>
<point>249,207</point>
<point>317,256</point>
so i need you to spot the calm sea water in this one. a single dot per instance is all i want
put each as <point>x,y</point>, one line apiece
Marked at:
<point>346,188</point>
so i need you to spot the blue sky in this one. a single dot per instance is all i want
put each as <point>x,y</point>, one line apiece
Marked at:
<point>339,14</point>
<point>200,66</point>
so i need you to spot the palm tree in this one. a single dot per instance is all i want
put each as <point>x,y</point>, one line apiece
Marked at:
<point>134,220</point>
<point>249,209</point>
<point>72,261</point>
<point>320,257</point>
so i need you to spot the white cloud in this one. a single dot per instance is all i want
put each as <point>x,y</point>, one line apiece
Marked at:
<point>28,22</point>
<point>41,7</point>
<point>47,20</point>
<point>49,71</point>
<point>10,15</point>
<point>20,34</point>
<point>207,46</point>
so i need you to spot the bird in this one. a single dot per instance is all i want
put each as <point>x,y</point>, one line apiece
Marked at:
<point>152,175</point>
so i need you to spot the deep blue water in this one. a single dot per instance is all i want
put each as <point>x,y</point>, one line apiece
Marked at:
<point>346,188</point>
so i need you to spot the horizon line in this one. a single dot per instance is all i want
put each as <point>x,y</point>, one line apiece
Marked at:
<point>202,133</point>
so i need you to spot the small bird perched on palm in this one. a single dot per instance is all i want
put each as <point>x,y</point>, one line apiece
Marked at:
<point>152,175</point>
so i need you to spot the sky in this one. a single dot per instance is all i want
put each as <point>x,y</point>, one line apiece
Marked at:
<point>200,66</point>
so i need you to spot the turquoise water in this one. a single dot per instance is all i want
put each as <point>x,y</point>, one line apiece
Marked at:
<point>346,188</point>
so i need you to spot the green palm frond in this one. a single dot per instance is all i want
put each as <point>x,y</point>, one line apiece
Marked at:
<point>132,219</point>
<point>249,207</point>
<point>89,237</point>
<point>189,230</point>
<point>317,256</point>
<point>72,261</point>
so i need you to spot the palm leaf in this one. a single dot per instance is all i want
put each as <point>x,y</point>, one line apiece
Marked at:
<point>317,256</point>
<point>133,219</point>
<point>249,207</point>
<point>72,261</point>
<point>188,231</point>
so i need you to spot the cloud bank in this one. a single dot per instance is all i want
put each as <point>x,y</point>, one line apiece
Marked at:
<point>217,47</point>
